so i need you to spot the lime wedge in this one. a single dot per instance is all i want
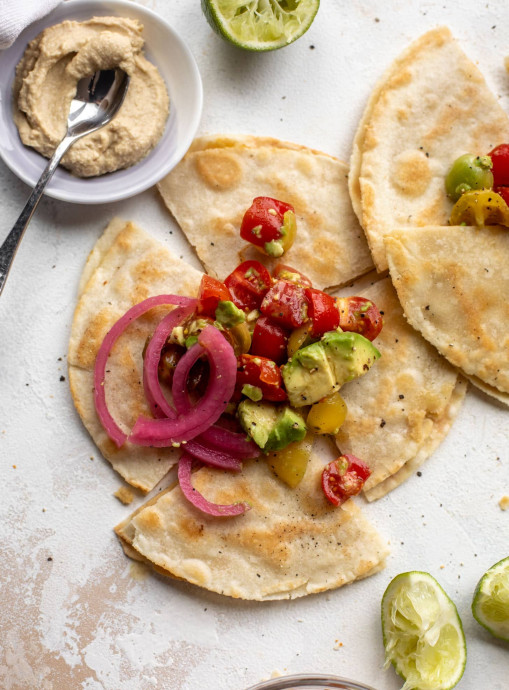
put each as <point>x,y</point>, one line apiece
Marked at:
<point>260,24</point>
<point>490,604</point>
<point>422,633</point>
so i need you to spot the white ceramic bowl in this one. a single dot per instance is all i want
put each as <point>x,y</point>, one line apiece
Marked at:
<point>167,51</point>
<point>310,682</point>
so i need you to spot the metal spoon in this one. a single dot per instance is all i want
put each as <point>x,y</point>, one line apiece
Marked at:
<point>98,98</point>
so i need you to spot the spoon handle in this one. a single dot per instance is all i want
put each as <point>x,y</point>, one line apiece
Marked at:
<point>10,246</point>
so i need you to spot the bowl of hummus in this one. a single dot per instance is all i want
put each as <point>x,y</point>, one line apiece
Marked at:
<point>153,128</point>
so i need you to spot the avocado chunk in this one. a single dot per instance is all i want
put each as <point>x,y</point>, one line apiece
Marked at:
<point>228,315</point>
<point>271,427</point>
<point>320,369</point>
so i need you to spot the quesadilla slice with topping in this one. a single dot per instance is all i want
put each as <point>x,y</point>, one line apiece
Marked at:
<point>125,267</point>
<point>453,285</point>
<point>292,543</point>
<point>431,106</point>
<point>400,413</point>
<point>210,189</point>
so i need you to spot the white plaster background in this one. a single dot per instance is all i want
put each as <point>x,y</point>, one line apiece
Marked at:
<point>86,619</point>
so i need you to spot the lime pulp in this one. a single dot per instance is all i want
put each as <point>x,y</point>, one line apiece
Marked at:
<point>422,633</point>
<point>490,604</point>
<point>260,25</point>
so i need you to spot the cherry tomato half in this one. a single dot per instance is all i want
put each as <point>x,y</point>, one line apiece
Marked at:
<point>268,225</point>
<point>211,292</point>
<point>284,272</point>
<point>263,373</point>
<point>323,312</point>
<point>504,193</point>
<point>500,159</point>
<point>359,315</point>
<point>269,340</point>
<point>343,478</point>
<point>286,304</point>
<point>248,284</point>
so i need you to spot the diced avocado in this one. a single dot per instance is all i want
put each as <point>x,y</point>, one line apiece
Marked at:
<point>308,376</point>
<point>320,369</point>
<point>252,392</point>
<point>271,427</point>
<point>228,315</point>
<point>350,354</point>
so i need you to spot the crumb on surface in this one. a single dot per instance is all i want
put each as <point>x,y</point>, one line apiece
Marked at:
<point>124,495</point>
<point>504,503</point>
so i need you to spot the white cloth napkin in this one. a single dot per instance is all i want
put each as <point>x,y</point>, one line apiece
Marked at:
<point>16,15</point>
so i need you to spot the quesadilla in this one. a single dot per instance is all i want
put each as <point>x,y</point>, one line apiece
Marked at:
<point>125,266</point>
<point>400,413</point>
<point>453,285</point>
<point>431,106</point>
<point>290,544</point>
<point>211,188</point>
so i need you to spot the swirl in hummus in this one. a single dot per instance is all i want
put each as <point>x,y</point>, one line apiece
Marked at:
<point>45,84</point>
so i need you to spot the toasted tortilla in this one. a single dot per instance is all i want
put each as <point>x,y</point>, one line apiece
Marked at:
<point>431,106</point>
<point>125,267</point>
<point>291,543</point>
<point>453,285</point>
<point>401,411</point>
<point>212,187</point>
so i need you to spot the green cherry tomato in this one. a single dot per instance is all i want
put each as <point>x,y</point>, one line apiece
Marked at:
<point>468,172</point>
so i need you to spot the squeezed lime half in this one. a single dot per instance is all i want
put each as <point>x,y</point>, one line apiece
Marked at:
<point>260,25</point>
<point>490,604</point>
<point>422,633</point>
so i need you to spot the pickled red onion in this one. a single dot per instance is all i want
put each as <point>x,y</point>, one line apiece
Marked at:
<point>223,372</point>
<point>198,500</point>
<point>159,406</point>
<point>212,456</point>
<point>180,376</point>
<point>109,424</point>
<point>230,441</point>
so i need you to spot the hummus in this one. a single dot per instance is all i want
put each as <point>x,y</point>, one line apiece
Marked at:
<point>45,84</point>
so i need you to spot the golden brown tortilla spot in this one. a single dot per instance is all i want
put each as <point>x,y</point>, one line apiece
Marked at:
<point>402,114</point>
<point>400,79</point>
<point>370,138</point>
<point>411,172</point>
<point>150,519</point>
<point>92,338</point>
<point>191,527</point>
<point>196,571</point>
<point>439,208</point>
<point>218,168</point>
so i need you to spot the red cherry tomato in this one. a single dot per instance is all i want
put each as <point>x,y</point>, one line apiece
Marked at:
<point>263,373</point>
<point>504,193</point>
<point>500,159</point>
<point>269,340</point>
<point>211,292</point>
<point>286,304</point>
<point>284,272</point>
<point>343,478</point>
<point>263,221</point>
<point>248,284</point>
<point>360,315</point>
<point>323,312</point>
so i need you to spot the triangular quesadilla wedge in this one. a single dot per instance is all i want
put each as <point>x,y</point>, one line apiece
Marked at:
<point>453,285</point>
<point>490,390</point>
<point>211,188</point>
<point>125,267</point>
<point>398,414</point>
<point>292,543</point>
<point>430,107</point>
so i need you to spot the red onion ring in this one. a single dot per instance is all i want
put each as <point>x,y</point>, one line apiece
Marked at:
<point>159,406</point>
<point>109,424</point>
<point>180,376</point>
<point>212,457</point>
<point>198,500</point>
<point>223,372</point>
<point>231,442</point>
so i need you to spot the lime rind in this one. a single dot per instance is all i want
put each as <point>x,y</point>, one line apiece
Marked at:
<point>490,603</point>
<point>422,633</point>
<point>260,25</point>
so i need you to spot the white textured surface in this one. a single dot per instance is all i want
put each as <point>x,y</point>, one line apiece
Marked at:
<point>81,620</point>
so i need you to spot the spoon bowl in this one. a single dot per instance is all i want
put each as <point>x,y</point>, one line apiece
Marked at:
<point>97,101</point>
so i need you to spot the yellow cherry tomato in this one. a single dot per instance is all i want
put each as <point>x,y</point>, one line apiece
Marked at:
<point>480,207</point>
<point>326,416</point>
<point>289,230</point>
<point>290,463</point>
<point>297,339</point>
